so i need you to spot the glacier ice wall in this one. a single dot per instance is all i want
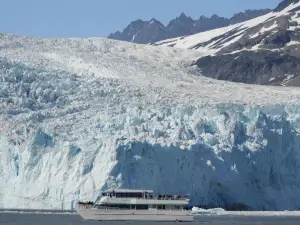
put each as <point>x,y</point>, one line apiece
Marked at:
<point>66,135</point>
<point>219,154</point>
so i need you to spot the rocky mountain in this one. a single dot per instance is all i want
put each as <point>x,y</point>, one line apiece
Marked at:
<point>145,32</point>
<point>264,50</point>
<point>139,30</point>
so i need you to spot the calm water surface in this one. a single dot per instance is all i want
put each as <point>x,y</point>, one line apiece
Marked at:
<point>52,219</point>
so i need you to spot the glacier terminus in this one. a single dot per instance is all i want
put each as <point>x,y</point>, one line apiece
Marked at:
<point>83,115</point>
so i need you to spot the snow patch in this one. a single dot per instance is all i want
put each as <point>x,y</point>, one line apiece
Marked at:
<point>288,78</point>
<point>264,29</point>
<point>291,43</point>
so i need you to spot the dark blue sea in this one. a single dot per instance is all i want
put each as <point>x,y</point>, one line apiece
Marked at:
<point>74,219</point>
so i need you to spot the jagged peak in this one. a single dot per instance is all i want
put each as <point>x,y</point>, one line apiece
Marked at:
<point>136,23</point>
<point>115,35</point>
<point>182,15</point>
<point>215,16</point>
<point>157,23</point>
<point>179,20</point>
<point>202,17</point>
<point>257,10</point>
<point>153,20</point>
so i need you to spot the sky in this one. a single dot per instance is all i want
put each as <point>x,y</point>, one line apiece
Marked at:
<point>99,18</point>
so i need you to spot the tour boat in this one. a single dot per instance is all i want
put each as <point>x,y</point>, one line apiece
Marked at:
<point>140,205</point>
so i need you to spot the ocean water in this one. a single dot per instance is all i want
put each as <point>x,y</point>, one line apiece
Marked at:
<point>67,219</point>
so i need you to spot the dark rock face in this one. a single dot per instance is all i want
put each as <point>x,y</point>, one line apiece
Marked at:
<point>145,32</point>
<point>267,54</point>
<point>278,39</point>
<point>262,67</point>
<point>138,31</point>
<point>269,64</point>
<point>116,36</point>
<point>180,26</point>
<point>205,24</point>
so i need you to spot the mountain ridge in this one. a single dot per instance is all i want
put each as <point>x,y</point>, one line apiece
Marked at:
<point>142,32</point>
<point>263,50</point>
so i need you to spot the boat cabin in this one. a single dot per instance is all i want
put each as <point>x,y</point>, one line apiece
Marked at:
<point>126,193</point>
<point>139,200</point>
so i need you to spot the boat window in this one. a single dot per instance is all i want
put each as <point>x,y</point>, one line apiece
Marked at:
<point>141,206</point>
<point>113,206</point>
<point>122,206</point>
<point>161,207</point>
<point>129,195</point>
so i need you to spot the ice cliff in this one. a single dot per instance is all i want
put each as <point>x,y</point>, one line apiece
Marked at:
<point>81,115</point>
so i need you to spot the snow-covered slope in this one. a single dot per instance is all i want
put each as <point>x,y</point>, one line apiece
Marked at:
<point>211,42</point>
<point>81,115</point>
<point>263,50</point>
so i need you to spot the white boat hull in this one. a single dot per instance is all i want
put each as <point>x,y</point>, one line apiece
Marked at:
<point>135,215</point>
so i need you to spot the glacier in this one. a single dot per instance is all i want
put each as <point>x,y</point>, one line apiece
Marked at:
<point>82,115</point>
